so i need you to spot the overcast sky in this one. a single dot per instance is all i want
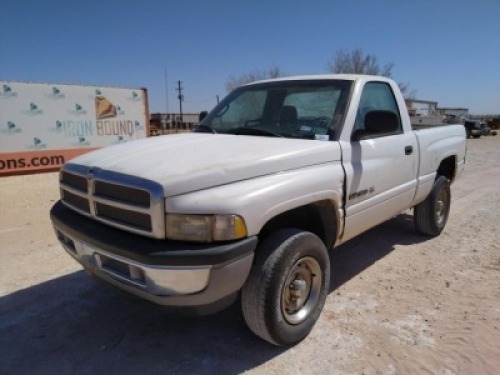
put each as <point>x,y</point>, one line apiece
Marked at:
<point>447,50</point>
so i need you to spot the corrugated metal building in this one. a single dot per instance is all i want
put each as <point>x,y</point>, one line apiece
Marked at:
<point>430,108</point>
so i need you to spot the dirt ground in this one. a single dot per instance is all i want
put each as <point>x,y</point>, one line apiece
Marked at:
<point>399,303</point>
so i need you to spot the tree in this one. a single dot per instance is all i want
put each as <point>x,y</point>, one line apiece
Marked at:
<point>357,62</point>
<point>234,82</point>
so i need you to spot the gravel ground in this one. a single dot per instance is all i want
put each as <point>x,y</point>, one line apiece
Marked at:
<point>399,303</point>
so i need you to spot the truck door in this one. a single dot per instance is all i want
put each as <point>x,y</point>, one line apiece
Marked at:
<point>380,165</point>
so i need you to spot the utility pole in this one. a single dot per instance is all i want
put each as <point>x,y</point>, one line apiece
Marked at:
<point>165,118</point>
<point>180,97</point>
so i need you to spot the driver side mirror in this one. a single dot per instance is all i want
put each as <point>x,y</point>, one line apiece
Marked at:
<point>378,123</point>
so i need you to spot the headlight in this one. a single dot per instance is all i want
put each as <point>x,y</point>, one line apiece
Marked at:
<point>204,228</point>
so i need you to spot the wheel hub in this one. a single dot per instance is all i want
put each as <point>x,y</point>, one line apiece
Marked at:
<point>440,207</point>
<point>298,287</point>
<point>301,290</point>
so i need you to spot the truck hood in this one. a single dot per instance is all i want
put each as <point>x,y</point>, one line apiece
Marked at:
<point>188,162</point>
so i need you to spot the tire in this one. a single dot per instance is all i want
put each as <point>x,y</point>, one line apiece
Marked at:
<point>287,287</point>
<point>476,136</point>
<point>432,214</point>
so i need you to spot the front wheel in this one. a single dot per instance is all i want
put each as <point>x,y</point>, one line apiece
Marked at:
<point>287,287</point>
<point>431,215</point>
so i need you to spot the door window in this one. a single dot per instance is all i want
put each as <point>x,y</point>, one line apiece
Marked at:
<point>376,96</point>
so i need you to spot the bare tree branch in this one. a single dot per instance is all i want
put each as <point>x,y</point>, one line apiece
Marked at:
<point>236,81</point>
<point>356,62</point>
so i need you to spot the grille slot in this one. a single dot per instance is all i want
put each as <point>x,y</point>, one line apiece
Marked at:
<point>126,202</point>
<point>76,201</point>
<point>66,241</point>
<point>123,216</point>
<point>122,193</point>
<point>75,181</point>
<point>121,269</point>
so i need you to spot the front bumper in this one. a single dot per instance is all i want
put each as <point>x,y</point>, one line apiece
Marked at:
<point>164,272</point>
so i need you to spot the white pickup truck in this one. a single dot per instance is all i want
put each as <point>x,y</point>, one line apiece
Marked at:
<point>276,175</point>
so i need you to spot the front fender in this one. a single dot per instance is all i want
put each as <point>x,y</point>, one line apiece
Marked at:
<point>260,199</point>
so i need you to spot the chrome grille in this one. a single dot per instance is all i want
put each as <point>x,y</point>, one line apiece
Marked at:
<point>123,201</point>
<point>126,217</point>
<point>75,181</point>
<point>122,193</point>
<point>76,201</point>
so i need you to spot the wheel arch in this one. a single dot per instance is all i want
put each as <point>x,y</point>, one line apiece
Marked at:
<point>320,218</point>
<point>447,168</point>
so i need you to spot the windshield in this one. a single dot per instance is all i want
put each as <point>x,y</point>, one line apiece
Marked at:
<point>309,109</point>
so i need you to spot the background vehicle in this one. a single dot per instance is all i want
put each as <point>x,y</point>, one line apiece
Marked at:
<point>476,129</point>
<point>280,172</point>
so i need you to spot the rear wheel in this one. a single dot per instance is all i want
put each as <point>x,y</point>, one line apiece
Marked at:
<point>287,287</point>
<point>432,214</point>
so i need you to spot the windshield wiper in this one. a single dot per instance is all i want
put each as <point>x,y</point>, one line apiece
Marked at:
<point>200,128</point>
<point>253,131</point>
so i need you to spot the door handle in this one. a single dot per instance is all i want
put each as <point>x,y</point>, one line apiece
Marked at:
<point>408,150</point>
